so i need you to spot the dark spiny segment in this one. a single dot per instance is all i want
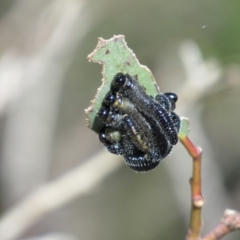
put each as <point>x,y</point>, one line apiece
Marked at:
<point>139,163</point>
<point>129,147</point>
<point>172,97</point>
<point>162,146</point>
<point>176,121</point>
<point>125,106</point>
<point>116,148</point>
<point>151,158</point>
<point>147,145</point>
<point>125,123</point>
<point>121,146</point>
<point>132,140</point>
<point>122,82</point>
<point>135,133</point>
<point>139,128</point>
<point>115,121</point>
<point>112,146</point>
<point>110,118</point>
<point>145,104</point>
<point>164,119</point>
<point>130,122</point>
<point>164,102</point>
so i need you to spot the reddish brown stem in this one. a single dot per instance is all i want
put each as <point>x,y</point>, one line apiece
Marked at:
<point>231,219</point>
<point>195,225</point>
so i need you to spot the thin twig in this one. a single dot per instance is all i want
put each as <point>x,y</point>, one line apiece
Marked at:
<point>229,223</point>
<point>231,219</point>
<point>195,225</point>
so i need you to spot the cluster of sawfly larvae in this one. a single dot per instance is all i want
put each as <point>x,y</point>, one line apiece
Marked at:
<point>140,128</point>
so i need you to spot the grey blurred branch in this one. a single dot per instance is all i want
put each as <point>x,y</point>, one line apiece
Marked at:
<point>55,194</point>
<point>54,236</point>
<point>229,223</point>
<point>32,72</point>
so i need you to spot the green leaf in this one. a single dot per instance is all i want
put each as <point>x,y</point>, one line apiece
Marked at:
<point>184,128</point>
<point>115,56</point>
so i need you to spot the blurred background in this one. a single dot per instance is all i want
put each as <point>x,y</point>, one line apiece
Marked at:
<point>46,82</point>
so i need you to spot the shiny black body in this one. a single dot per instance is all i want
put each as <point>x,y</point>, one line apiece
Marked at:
<point>137,126</point>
